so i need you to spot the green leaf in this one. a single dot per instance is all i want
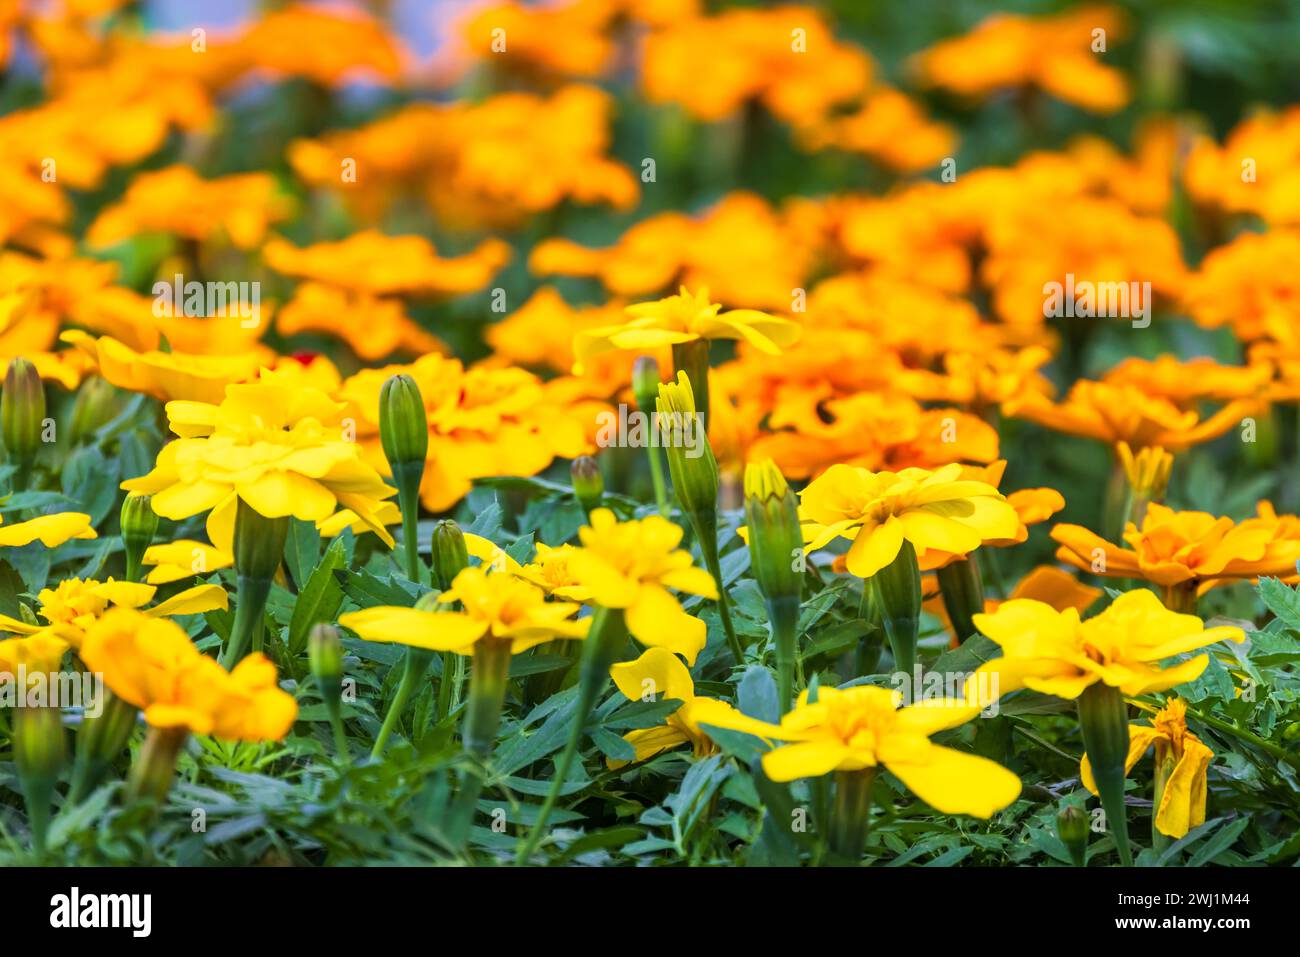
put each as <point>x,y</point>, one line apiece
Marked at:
<point>756,695</point>
<point>301,550</point>
<point>319,599</point>
<point>91,480</point>
<point>1282,600</point>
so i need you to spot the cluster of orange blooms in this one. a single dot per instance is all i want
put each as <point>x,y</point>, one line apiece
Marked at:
<point>895,364</point>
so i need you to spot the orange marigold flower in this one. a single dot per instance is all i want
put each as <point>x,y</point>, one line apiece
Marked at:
<point>1250,284</point>
<point>891,128</point>
<point>1257,170</point>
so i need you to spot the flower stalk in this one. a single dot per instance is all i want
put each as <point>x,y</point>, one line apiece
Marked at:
<point>851,815</point>
<point>898,599</point>
<point>155,766</point>
<point>414,668</point>
<point>404,435</point>
<point>962,589</point>
<point>606,637</point>
<point>776,557</point>
<point>449,556</point>
<point>100,739</point>
<point>645,387</point>
<point>259,547</point>
<point>325,657</point>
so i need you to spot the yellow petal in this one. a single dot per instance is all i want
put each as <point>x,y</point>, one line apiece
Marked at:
<point>953,782</point>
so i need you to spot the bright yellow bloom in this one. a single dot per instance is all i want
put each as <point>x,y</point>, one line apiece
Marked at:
<point>660,672</point>
<point>282,450</point>
<point>1182,760</point>
<point>50,530</point>
<point>152,664</point>
<point>630,566</point>
<point>37,653</point>
<point>877,511</point>
<point>1147,471</point>
<point>497,606</point>
<point>74,605</point>
<point>1056,653</point>
<point>167,376</point>
<point>1193,549</point>
<point>685,317</point>
<point>862,727</point>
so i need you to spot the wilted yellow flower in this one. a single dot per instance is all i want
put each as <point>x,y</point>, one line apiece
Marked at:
<point>1182,760</point>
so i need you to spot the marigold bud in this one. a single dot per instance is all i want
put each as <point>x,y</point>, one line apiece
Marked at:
<point>39,745</point>
<point>139,525</point>
<point>325,654</point>
<point>588,485</point>
<point>1072,827</point>
<point>450,555</point>
<point>775,537</point>
<point>690,459</point>
<point>94,407</point>
<point>403,425</point>
<point>645,382</point>
<point>1103,719</point>
<point>22,410</point>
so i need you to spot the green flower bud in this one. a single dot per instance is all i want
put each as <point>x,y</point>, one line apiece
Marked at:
<point>963,594</point>
<point>450,556</point>
<point>588,485</point>
<point>1103,719</point>
<point>39,751</point>
<point>775,536</point>
<point>139,525</point>
<point>1072,827</point>
<point>646,382</point>
<point>690,458</point>
<point>259,547</point>
<point>22,410</point>
<point>155,765</point>
<point>94,406</point>
<point>898,597</point>
<point>100,740</point>
<point>403,425</point>
<point>325,654</point>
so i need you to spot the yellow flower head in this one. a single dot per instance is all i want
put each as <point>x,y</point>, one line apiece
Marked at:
<point>631,565</point>
<point>1173,548</point>
<point>660,672</point>
<point>497,606</point>
<point>152,664</point>
<point>282,450</point>
<point>685,317</point>
<point>863,727</point>
<point>1147,471</point>
<point>34,653</point>
<point>50,530</point>
<point>1182,760</point>
<point>74,605</point>
<point>877,511</point>
<point>1056,653</point>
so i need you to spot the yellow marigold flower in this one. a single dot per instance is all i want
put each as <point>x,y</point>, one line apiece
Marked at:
<point>1214,175</point>
<point>877,511</point>
<point>1182,760</point>
<point>177,200</point>
<point>1249,284</point>
<point>152,664</point>
<point>863,727</point>
<point>660,672</point>
<point>685,317</point>
<point>1056,653</point>
<point>586,52</point>
<point>73,606</point>
<point>1124,413</point>
<point>741,248</point>
<point>282,450</point>
<point>712,66</point>
<point>325,46</point>
<point>1190,549</point>
<point>497,606</point>
<point>630,566</point>
<point>41,652</point>
<point>167,376</point>
<point>50,530</point>
<point>373,327</point>
<point>891,128</point>
<point>1045,583</point>
<point>1053,53</point>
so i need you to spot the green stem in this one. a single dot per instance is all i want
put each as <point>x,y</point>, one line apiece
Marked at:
<point>487,693</point>
<point>250,605</point>
<point>851,815</point>
<point>408,501</point>
<point>1280,753</point>
<point>898,598</point>
<point>709,549</point>
<point>657,476</point>
<point>963,595</point>
<point>783,613</point>
<point>417,663</point>
<point>608,631</point>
